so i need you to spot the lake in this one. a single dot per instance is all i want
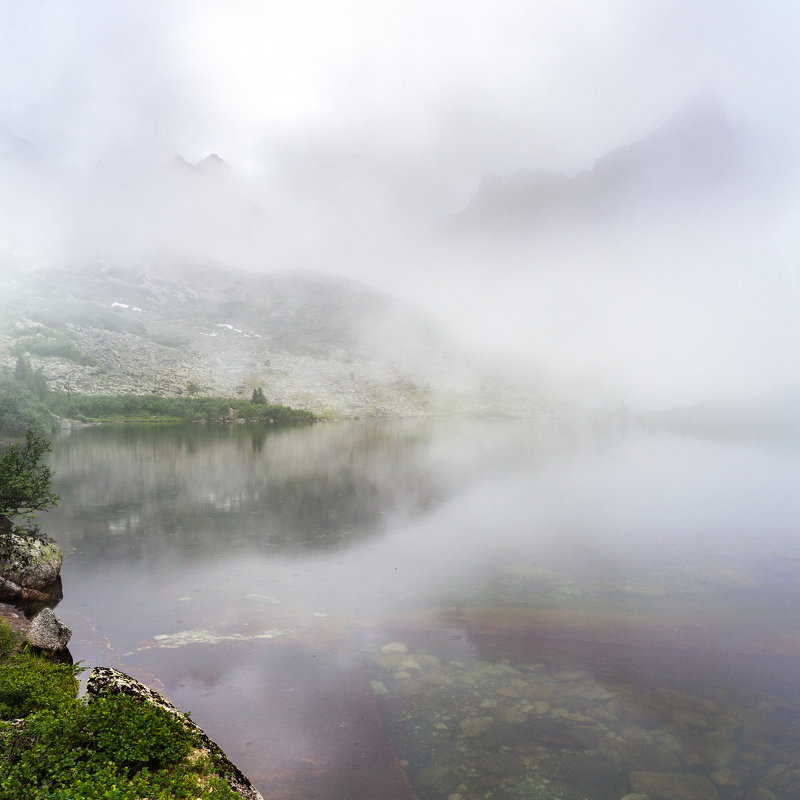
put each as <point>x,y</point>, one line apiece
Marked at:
<point>450,609</point>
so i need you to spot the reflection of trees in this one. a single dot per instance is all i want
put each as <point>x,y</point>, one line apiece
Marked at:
<point>201,490</point>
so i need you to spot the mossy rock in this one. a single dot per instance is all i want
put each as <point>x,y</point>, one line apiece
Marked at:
<point>29,562</point>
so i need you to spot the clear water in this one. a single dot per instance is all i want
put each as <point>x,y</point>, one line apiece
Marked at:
<point>452,609</point>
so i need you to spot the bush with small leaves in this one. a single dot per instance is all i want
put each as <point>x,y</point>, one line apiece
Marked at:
<point>112,748</point>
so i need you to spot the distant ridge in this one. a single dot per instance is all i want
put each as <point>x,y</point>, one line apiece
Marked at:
<point>694,154</point>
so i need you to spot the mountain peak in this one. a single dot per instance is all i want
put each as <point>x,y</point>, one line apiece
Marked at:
<point>211,163</point>
<point>691,154</point>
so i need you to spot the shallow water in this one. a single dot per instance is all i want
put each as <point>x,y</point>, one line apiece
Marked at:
<point>484,609</point>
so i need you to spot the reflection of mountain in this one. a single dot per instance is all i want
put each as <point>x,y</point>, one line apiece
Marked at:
<point>693,158</point>
<point>196,491</point>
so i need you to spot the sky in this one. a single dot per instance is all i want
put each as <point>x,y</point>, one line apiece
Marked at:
<point>353,129</point>
<point>460,86</point>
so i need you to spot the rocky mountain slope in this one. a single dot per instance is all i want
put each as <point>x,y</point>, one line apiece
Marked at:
<point>326,344</point>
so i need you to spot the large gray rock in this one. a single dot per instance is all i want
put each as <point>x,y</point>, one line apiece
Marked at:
<point>29,562</point>
<point>47,632</point>
<point>105,681</point>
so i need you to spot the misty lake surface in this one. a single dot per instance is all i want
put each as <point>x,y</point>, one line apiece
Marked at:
<point>449,609</point>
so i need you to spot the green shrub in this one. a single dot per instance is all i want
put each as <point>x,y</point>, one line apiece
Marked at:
<point>111,748</point>
<point>21,410</point>
<point>29,684</point>
<point>151,406</point>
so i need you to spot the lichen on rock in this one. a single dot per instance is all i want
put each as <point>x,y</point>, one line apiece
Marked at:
<point>28,561</point>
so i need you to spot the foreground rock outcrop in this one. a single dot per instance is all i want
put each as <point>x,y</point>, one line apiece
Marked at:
<point>106,681</point>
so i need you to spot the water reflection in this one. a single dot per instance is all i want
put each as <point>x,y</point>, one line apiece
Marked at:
<point>545,588</point>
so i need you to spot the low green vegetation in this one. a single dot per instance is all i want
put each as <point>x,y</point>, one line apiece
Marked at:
<point>26,404</point>
<point>147,407</point>
<point>61,747</point>
<point>58,347</point>
<point>21,409</point>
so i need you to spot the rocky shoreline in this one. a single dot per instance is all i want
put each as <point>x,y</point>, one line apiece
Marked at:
<point>30,580</point>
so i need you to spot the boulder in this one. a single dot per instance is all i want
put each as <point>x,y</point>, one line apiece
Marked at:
<point>105,681</point>
<point>47,632</point>
<point>28,561</point>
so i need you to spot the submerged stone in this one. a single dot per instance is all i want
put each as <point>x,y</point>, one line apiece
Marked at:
<point>563,733</point>
<point>727,777</point>
<point>474,726</point>
<point>441,777</point>
<point>590,774</point>
<point>673,786</point>
<point>504,765</point>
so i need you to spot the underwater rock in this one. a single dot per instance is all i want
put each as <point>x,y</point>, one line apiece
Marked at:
<point>474,726</point>
<point>639,752</point>
<point>106,681</point>
<point>27,562</point>
<point>590,774</point>
<point>673,786</point>
<point>563,733</point>
<point>48,633</point>
<point>503,765</point>
<point>673,699</point>
<point>727,777</point>
<point>182,638</point>
<point>440,777</point>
